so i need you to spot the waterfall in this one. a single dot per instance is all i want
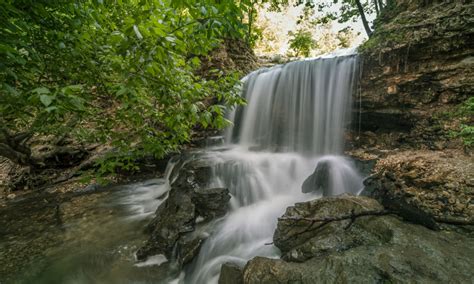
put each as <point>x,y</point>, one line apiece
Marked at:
<point>298,107</point>
<point>294,119</point>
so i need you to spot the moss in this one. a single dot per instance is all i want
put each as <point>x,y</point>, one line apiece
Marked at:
<point>383,38</point>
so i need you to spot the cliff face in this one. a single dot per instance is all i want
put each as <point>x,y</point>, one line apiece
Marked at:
<point>417,67</point>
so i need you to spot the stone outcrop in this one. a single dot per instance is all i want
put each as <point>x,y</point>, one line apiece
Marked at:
<point>231,55</point>
<point>440,184</point>
<point>417,67</point>
<point>190,204</point>
<point>350,239</point>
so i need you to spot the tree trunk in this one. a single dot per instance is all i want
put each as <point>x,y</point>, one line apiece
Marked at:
<point>364,19</point>
<point>380,5</point>
<point>249,35</point>
<point>376,4</point>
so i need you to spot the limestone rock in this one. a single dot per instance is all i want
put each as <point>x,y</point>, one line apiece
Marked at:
<point>417,65</point>
<point>425,185</point>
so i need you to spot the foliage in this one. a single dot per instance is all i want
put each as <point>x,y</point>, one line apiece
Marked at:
<point>116,72</point>
<point>302,42</point>
<point>342,11</point>
<point>466,115</point>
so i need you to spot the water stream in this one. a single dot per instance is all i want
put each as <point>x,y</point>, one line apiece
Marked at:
<point>295,118</point>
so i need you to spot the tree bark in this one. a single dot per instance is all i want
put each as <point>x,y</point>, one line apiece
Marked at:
<point>376,4</point>
<point>364,19</point>
<point>380,5</point>
<point>250,15</point>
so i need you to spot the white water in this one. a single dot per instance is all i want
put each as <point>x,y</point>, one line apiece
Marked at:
<point>295,117</point>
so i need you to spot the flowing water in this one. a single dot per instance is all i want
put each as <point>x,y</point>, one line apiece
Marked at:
<point>88,238</point>
<point>295,118</point>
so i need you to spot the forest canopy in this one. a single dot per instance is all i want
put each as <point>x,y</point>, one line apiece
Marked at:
<point>118,72</point>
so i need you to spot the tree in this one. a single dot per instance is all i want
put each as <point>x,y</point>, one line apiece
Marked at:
<point>349,10</point>
<point>115,72</point>
<point>302,42</point>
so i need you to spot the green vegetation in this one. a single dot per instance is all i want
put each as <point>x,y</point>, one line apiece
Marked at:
<point>302,42</point>
<point>466,116</point>
<point>120,73</point>
<point>347,11</point>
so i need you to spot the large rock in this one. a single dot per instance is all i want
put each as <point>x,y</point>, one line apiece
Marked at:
<point>173,231</point>
<point>211,202</point>
<point>174,217</point>
<point>300,236</point>
<point>318,181</point>
<point>231,273</point>
<point>350,239</point>
<point>425,186</point>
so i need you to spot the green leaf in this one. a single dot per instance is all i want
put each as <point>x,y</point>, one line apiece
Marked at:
<point>50,109</point>
<point>41,91</point>
<point>46,100</point>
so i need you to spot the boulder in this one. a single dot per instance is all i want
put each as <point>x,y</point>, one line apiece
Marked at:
<point>231,273</point>
<point>318,181</point>
<point>211,202</point>
<point>431,188</point>
<point>173,218</point>
<point>349,239</point>
<point>188,247</point>
<point>306,229</point>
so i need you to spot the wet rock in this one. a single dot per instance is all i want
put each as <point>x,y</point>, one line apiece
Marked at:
<point>188,248</point>
<point>173,218</point>
<point>212,202</point>
<point>173,230</point>
<point>94,187</point>
<point>318,181</point>
<point>299,236</point>
<point>355,244</point>
<point>231,273</point>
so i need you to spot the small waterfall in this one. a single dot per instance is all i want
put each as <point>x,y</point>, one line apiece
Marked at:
<point>298,107</point>
<point>294,118</point>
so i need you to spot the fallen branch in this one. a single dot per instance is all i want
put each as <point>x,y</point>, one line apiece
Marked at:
<point>327,220</point>
<point>340,218</point>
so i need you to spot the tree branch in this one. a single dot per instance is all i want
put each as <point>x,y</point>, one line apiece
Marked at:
<point>327,220</point>
<point>364,19</point>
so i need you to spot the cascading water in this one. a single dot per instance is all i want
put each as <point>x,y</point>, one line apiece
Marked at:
<point>298,107</point>
<point>294,119</point>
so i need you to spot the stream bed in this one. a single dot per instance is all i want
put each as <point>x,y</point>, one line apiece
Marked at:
<point>88,238</point>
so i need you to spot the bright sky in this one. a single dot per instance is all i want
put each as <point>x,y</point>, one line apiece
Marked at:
<point>285,22</point>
